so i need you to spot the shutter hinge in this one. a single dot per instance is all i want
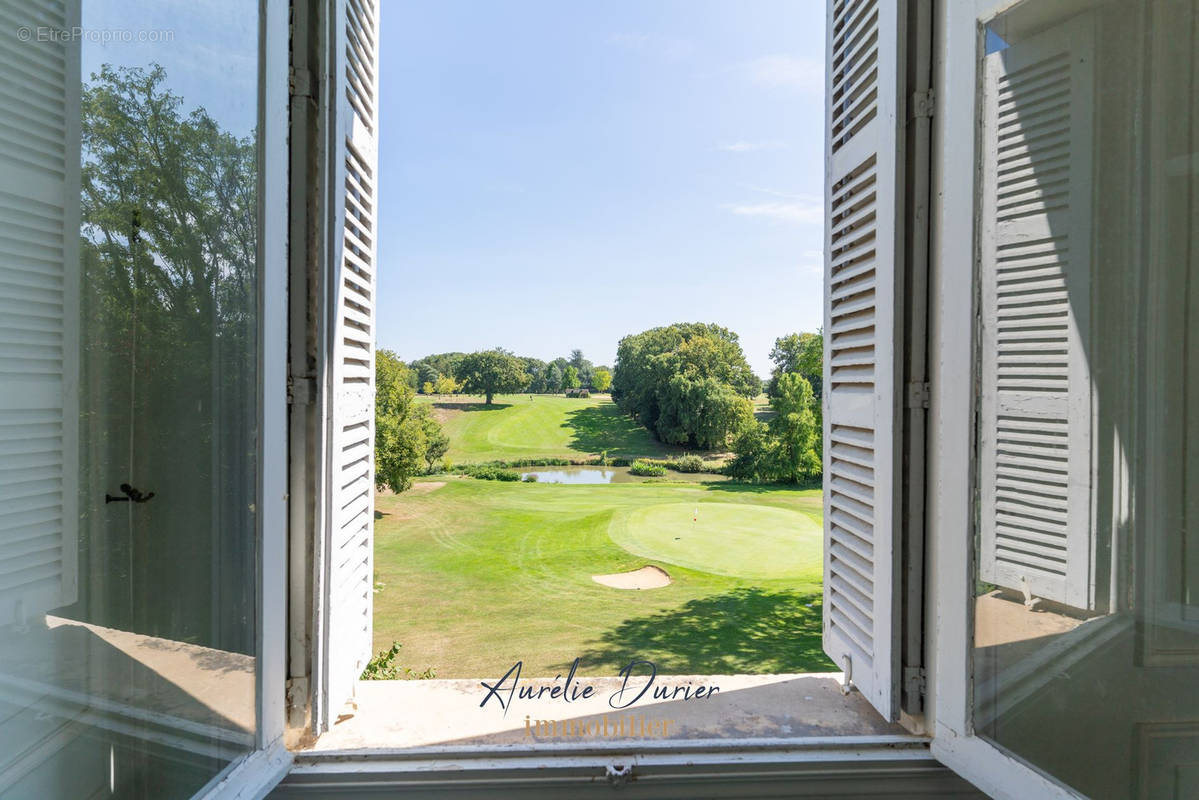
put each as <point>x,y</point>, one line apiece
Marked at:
<point>298,82</point>
<point>915,682</point>
<point>922,104</point>
<point>918,395</point>
<point>300,391</point>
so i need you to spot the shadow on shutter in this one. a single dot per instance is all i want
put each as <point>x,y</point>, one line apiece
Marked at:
<point>350,539</point>
<point>863,254</point>
<point>39,313</point>
<point>1035,414</point>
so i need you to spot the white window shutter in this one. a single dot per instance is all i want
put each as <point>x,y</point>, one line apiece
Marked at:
<point>1035,411</point>
<point>350,578</point>
<point>862,321</point>
<point>39,312</point>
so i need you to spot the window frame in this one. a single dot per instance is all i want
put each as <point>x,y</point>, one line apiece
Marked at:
<point>257,772</point>
<point>952,469</point>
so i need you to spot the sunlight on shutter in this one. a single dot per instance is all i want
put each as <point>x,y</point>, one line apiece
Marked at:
<point>353,362</point>
<point>1035,425</point>
<point>862,323</point>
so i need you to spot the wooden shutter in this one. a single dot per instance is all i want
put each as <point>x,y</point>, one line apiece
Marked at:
<point>39,311</point>
<point>351,508</point>
<point>1035,411</point>
<point>863,294</point>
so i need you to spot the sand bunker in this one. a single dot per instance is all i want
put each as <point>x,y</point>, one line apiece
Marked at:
<point>648,577</point>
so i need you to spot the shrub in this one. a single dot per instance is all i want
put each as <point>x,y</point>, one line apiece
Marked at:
<point>647,469</point>
<point>531,478</point>
<point>690,463</point>
<point>383,667</point>
<point>490,472</point>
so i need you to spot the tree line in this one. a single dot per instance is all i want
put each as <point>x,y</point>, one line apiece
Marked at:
<point>500,371</point>
<point>690,384</point>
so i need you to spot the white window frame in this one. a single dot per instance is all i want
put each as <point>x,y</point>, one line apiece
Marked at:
<point>951,448</point>
<point>258,772</point>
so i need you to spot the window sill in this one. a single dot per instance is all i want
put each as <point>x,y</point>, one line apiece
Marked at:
<point>407,715</point>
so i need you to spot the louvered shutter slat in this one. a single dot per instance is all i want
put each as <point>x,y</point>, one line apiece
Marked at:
<point>863,211</point>
<point>1035,411</point>
<point>351,515</point>
<point>39,273</point>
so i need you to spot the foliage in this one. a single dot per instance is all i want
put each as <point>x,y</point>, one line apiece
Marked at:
<point>427,387</point>
<point>407,438</point>
<point>800,353</point>
<point>584,370</point>
<point>492,372</point>
<point>383,667</point>
<point>530,478</point>
<point>648,469</point>
<point>490,472</point>
<point>688,383</point>
<point>601,379</point>
<point>446,385</point>
<point>689,463</point>
<point>753,457</point>
<point>794,428</point>
<point>553,379</point>
<point>570,377</point>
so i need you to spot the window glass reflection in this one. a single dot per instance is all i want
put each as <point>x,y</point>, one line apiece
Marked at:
<point>128,385</point>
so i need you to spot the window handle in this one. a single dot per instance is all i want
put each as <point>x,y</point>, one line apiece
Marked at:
<point>131,494</point>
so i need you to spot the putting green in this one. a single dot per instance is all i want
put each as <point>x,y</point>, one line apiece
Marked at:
<point>734,539</point>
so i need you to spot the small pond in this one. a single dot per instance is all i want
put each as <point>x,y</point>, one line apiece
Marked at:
<point>580,475</point>
<point>605,475</point>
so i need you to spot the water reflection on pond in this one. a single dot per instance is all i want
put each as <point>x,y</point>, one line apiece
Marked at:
<point>580,475</point>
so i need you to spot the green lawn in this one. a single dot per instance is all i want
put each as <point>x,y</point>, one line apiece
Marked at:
<point>548,426</point>
<point>475,575</point>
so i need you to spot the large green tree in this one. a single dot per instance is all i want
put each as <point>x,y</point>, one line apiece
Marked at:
<point>800,353</point>
<point>492,372</point>
<point>601,379</point>
<point>796,429</point>
<point>407,439</point>
<point>570,377</point>
<point>688,383</point>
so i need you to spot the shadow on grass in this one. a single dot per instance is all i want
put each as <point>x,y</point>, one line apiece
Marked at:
<point>743,631</point>
<point>605,427</point>
<point>472,406</point>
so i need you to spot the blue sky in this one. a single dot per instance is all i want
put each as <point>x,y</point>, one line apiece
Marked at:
<point>559,174</point>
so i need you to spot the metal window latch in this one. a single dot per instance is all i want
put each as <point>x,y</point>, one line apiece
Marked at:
<point>618,774</point>
<point>131,495</point>
<point>847,676</point>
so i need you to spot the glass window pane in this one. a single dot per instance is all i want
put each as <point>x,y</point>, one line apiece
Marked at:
<point>128,386</point>
<point>1086,659</point>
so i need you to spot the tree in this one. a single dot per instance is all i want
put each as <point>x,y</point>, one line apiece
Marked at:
<point>688,383</point>
<point>570,378</point>
<point>427,374</point>
<point>403,427</point>
<point>801,353</point>
<point>427,388</point>
<point>794,427</point>
<point>446,385</point>
<point>601,379</point>
<point>583,367</point>
<point>536,369</point>
<point>752,454</point>
<point>437,442</point>
<point>492,372</point>
<point>553,379</point>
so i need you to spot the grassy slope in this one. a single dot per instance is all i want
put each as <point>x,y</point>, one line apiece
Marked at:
<point>478,574</point>
<point>547,427</point>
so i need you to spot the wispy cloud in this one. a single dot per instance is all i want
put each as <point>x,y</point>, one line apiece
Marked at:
<point>806,212</point>
<point>742,146</point>
<point>791,72</point>
<point>653,44</point>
